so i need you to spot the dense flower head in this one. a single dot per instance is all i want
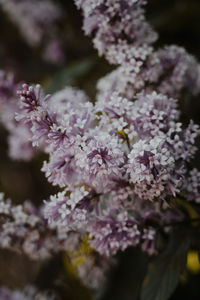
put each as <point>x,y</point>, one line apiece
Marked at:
<point>150,163</point>
<point>67,209</point>
<point>24,228</point>
<point>154,137</point>
<point>47,122</point>
<point>169,70</point>
<point>180,69</point>
<point>121,31</point>
<point>112,235</point>
<point>138,144</point>
<point>100,159</point>
<point>61,169</point>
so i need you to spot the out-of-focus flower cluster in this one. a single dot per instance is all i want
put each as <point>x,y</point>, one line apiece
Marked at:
<point>38,23</point>
<point>171,71</point>
<point>23,228</point>
<point>123,35</point>
<point>28,293</point>
<point>19,135</point>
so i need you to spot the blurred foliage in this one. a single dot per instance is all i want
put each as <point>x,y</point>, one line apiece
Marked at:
<point>165,270</point>
<point>193,264</point>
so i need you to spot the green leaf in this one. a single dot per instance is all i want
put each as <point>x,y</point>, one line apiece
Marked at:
<point>163,275</point>
<point>68,74</point>
<point>126,278</point>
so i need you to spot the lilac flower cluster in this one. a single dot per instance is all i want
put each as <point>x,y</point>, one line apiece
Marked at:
<point>24,229</point>
<point>191,186</point>
<point>138,145</point>
<point>125,38</point>
<point>118,162</point>
<point>172,70</point>
<point>37,20</point>
<point>121,31</point>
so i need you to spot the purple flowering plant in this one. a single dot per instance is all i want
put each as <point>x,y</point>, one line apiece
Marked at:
<point>122,164</point>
